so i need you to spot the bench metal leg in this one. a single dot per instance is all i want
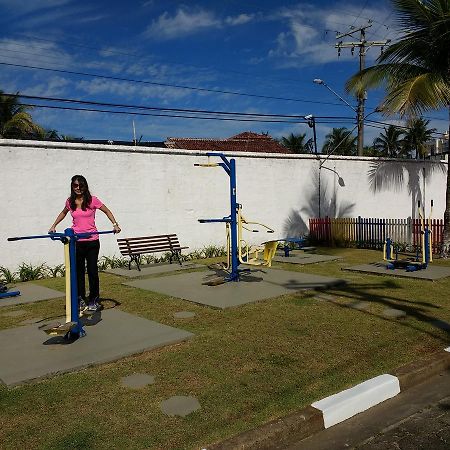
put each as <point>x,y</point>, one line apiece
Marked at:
<point>177,254</point>
<point>137,260</point>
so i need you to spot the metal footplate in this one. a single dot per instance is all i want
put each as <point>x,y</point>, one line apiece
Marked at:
<point>62,329</point>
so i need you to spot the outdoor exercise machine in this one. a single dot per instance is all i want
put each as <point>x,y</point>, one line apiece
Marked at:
<point>5,292</point>
<point>424,253</point>
<point>238,250</point>
<point>73,327</point>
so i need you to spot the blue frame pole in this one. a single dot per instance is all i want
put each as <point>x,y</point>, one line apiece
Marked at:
<point>74,316</point>
<point>234,275</point>
<point>72,237</point>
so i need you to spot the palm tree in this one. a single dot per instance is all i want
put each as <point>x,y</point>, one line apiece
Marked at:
<point>296,143</point>
<point>340,142</point>
<point>390,144</point>
<point>417,136</point>
<point>416,69</point>
<point>15,121</point>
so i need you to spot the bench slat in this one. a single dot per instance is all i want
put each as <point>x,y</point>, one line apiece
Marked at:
<point>136,246</point>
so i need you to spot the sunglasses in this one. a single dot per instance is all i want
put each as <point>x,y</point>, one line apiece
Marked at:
<point>78,185</point>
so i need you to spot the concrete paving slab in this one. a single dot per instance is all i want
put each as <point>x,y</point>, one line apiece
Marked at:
<point>183,315</point>
<point>137,380</point>
<point>259,284</point>
<point>360,306</point>
<point>303,258</point>
<point>153,269</point>
<point>29,293</point>
<point>392,313</point>
<point>431,273</point>
<point>27,353</point>
<point>180,405</point>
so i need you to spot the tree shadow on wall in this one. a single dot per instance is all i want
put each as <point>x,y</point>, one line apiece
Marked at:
<point>296,224</point>
<point>386,175</point>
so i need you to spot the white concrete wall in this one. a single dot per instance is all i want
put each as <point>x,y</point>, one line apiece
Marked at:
<point>158,191</point>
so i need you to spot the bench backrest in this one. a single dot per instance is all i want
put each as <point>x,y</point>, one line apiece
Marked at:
<point>148,244</point>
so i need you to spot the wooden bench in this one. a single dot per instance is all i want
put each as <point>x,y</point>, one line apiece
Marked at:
<point>137,246</point>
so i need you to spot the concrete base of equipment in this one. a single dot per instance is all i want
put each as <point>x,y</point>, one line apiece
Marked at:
<point>29,293</point>
<point>432,272</point>
<point>153,269</point>
<point>258,284</point>
<point>298,257</point>
<point>27,353</point>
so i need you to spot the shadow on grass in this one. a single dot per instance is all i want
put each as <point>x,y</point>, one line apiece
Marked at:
<point>364,293</point>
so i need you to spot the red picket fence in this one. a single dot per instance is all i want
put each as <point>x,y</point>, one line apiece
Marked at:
<point>372,232</point>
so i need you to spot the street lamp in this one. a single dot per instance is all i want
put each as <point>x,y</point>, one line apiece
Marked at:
<point>359,115</point>
<point>321,163</point>
<point>319,81</point>
<point>311,120</point>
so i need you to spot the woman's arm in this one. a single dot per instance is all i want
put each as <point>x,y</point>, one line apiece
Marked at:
<point>60,217</point>
<point>111,217</point>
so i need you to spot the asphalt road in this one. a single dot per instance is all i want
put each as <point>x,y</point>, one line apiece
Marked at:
<point>418,418</point>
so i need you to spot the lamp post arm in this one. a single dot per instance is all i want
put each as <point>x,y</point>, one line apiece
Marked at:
<point>339,97</point>
<point>345,137</point>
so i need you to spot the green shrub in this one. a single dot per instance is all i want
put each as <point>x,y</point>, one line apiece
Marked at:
<point>28,272</point>
<point>6,276</point>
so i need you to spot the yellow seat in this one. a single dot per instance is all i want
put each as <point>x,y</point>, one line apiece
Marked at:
<point>269,250</point>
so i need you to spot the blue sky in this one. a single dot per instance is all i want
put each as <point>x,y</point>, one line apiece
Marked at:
<point>256,48</point>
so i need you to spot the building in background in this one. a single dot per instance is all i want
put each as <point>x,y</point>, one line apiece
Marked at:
<point>243,142</point>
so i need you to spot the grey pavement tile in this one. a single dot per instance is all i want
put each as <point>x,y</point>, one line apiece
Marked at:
<point>180,406</point>
<point>184,315</point>
<point>258,284</point>
<point>27,353</point>
<point>431,273</point>
<point>30,293</point>
<point>154,269</point>
<point>137,380</point>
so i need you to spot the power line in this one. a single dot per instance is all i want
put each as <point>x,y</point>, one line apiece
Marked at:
<point>182,116</point>
<point>158,108</point>
<point>154,83</point>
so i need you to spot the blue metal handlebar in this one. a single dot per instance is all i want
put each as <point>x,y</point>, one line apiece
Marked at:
<point>224,219</point>
<point>59,236</point>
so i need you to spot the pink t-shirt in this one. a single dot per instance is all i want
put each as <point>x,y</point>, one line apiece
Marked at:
<point>84,221</point>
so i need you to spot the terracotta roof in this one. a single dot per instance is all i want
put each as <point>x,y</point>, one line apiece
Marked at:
<point>243,142</point>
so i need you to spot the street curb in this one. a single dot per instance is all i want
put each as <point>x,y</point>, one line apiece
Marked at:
<point>279,433</point>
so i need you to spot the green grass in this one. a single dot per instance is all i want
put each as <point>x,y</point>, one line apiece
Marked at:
<point>245,365</point>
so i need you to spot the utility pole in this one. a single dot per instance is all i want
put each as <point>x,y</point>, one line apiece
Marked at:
<point>363,46</point>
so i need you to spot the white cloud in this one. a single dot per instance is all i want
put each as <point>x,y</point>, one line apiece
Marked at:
<point>241,19</point>
<point>183,23</point>
<point>25,7</point>
<point>305,40</point>
<point>31,52</point>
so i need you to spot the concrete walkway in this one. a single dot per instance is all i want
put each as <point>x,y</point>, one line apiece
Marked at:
<point>297,257</point>
<point>153,269</point>
<point>432,272</point>
<point>258,284</point>
<point>27,353</point>
<point>29,293</point>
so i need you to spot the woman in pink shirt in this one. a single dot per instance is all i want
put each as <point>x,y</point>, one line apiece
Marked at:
<point>82,206</point>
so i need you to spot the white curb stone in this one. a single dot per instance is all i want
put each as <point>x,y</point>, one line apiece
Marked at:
<point>345,404</point>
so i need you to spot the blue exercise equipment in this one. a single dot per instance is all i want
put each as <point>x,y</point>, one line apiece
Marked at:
<point>73,327</point>
<point>5,293</point>
<point>424,254</point>
<point>235,223</point>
